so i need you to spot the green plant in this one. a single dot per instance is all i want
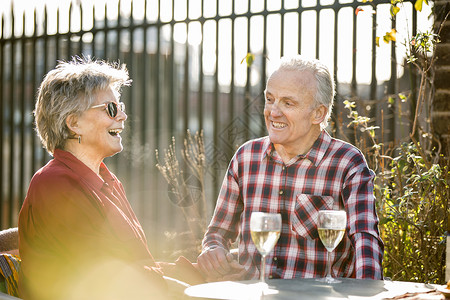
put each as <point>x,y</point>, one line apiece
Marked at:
<point>412,203</point>
<point>412,178</point>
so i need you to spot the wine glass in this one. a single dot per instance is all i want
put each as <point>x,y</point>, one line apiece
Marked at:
<point>331,229</point>
<point>265,229</point>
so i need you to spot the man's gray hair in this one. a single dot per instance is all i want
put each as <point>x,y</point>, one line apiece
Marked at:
<point>69,89</point>
<point>325,83</point>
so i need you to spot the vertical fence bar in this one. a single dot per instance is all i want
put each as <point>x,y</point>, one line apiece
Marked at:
<point>22,116</point>
<point>12,111</point>
<point>157,111</point>
<point>45,66</point>
<point>335,111</point>
<point>264,63</point>
<point>119,31</point>
<point>117,55</point>
<point>172,78</point>
<point>57,35</point>
<point>144,179</point>
<point>157,92</point>
<point>317,10</point>
<point>2,98</point>
<point>132,126</point>
<point>353,82</point>
<point>282,12</point>
<point>373,83</point>
<point>33,85</point>
<point>392,85</point>
<point>69,33</point>
<point>413,77</point>
<point>105,34</point>
<point>200,73</point>
<point>94,31</point>
<point>186,91</point>
<point>247,95</point>
<point>80,47</point>
<point>143,75</point>
<point>300,11</point>
<point>232,83</point>
<point>215,102</point>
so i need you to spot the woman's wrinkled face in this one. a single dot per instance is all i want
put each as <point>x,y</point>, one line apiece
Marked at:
<point>100,134</point>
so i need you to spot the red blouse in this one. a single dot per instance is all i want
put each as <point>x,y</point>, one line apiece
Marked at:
<point>78,232</point>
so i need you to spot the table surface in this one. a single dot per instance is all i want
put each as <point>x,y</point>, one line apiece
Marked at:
<point>284,289</point>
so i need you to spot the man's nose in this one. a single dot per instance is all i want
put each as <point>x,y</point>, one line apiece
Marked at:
<point>275,109</point>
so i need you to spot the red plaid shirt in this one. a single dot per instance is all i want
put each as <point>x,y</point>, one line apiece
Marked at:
<point>332,175</point>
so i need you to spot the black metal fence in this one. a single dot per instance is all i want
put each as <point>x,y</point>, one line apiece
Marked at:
<point>185,59</point>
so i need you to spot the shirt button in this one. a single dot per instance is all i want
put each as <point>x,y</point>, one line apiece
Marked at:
<point>275,259</point>
<point>281,192</point>
<point>270,276</point>
<point>284,168</point>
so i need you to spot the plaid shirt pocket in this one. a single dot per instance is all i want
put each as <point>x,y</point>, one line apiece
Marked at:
<point>306,213</point>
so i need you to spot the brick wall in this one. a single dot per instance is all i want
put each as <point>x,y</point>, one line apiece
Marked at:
<point>441,105</point>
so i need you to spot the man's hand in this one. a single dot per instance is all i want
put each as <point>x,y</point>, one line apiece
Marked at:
<point>219,264</point>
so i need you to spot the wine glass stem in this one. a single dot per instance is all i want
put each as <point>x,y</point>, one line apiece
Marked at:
<point>263,268</point>
<point>329,277</point>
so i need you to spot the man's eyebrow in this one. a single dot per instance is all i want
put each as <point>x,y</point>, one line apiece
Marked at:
<point>267,93</point>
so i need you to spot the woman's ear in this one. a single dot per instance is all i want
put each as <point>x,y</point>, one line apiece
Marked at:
<point>72,123</point>
<point>319,114</point>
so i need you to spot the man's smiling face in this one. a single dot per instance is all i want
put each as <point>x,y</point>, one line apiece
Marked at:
<point>289,107</point>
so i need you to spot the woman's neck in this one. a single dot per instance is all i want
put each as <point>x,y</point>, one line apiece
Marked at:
<point>84,156</point>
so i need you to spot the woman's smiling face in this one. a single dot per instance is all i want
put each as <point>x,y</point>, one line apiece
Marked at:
<point>100,134</point>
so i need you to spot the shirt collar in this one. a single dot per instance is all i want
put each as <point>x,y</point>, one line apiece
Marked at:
<point>319,148</point>
<point>84,171</point>
<point>315,154</point>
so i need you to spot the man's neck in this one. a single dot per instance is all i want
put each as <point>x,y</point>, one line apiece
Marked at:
<point>288,152</point>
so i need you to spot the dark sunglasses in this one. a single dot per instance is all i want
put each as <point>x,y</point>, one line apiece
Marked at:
<point>112,108</point>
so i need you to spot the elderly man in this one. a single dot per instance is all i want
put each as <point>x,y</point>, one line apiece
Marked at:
<point>297,170</point>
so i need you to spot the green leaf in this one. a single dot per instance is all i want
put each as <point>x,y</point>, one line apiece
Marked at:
<point>390,36</point>
<point>391,100</point>
<point>418,5</point>
<point>249,59</point>
<point>394,10</point>
<point>403,97</point>
<point>349,104</point>
<point>372,127</point>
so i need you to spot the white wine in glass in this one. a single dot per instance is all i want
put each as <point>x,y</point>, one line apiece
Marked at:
<point>265,229</point>
<point>331,229</point>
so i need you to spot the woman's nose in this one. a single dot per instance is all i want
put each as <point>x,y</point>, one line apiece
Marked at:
<point>121,116</point>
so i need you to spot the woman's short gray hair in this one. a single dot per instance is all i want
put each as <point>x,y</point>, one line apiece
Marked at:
<point>69,89</point>
<point>325,83</point>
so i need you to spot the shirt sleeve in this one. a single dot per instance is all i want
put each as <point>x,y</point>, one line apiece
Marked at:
<point>368,255</point>
<point>224,226</point>
<point>362,219</point>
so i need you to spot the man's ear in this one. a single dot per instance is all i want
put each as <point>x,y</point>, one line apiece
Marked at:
<point>72,123</point>
<point>319,114</point>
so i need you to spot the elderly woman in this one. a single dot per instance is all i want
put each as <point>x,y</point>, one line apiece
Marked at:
<point>78,235</point>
